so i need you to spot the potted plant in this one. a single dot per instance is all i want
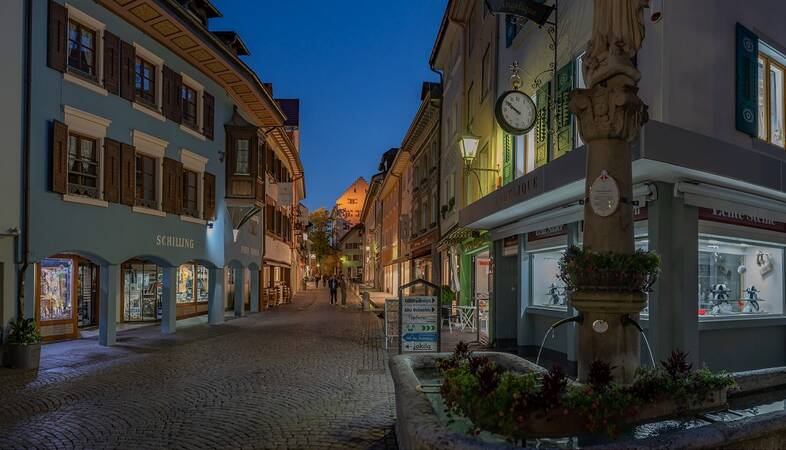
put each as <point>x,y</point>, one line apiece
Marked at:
<point>447,295</point>
<point>24,344</point>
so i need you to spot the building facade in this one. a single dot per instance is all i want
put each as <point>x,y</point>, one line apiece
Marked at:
<point>348,208</point>
<point>708,190</point>
<point>147,136</point>
<point>351,248</point>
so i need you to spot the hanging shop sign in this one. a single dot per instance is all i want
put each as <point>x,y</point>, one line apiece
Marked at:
<point>419,324</point>
<point>530,9</point>
<point>604,196</point>
<point>742,219</point>
<point>284,193</point>
<point>510,246</point>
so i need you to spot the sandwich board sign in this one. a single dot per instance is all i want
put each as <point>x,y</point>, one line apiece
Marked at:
<point>419,319</point>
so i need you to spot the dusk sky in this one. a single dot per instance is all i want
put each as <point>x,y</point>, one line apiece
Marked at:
<point>357,67</point>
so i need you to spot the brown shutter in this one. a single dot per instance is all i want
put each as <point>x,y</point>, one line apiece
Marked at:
<point>127,70</point>
<point>208,109</point>
<point>56,54</point>
<point>172,84</point>
<point>178,192</point>
<point>111,63</point>
<point>59,157</point>
<point>209,196</point>
<point>111,170</point>
<point>127,174</point>
<point>172,186</point>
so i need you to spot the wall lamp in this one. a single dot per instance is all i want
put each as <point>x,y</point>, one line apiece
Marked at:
<point>468,144</point>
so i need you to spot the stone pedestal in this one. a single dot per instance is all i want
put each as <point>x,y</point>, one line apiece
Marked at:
<point>614,342</point>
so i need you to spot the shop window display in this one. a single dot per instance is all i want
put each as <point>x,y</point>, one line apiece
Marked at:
<point>739,279</point>
<point>56,290</point>
<point>185,283</point>
<point>142,284</point>
<point>202,284</point>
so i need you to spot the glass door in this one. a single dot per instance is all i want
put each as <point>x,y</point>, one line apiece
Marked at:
<point>141,292</point>
<point>87,294</point>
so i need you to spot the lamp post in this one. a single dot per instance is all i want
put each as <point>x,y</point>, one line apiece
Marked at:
<point>468,144</point>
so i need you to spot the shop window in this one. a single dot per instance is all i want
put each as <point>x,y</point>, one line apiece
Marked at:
<point>145,81</point>
<point>190,193</point>
<point>82,166</point>
<point>56,290</point>
<point>142,284</point>
<point>82,50</point>
<point>146,181</point>
<point>188,99</point>
<point>739,278</point>
<point>185,283</point>
<point>87,294</point>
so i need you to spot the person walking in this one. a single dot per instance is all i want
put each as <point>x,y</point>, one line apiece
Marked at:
<point>332,285</point>
<point>316,279</point>
<point>342,285</point>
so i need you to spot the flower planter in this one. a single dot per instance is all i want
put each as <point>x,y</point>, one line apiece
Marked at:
<point>24,356</point>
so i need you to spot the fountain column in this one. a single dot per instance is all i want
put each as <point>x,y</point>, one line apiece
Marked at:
<point>610,115</point>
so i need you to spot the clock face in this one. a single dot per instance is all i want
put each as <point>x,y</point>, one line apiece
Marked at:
<point>515,112</point>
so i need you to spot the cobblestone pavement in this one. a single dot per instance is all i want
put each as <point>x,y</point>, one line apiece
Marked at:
<point>306,376</point>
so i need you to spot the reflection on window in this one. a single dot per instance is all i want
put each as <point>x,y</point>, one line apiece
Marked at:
<point>81,49</point>
<point>241,157</point>
<point>202,283</point>
<point>56,300</point>
<point>185,283</point>
<point>141,292</point>
<point>547,288</point>
<point>739,278</point>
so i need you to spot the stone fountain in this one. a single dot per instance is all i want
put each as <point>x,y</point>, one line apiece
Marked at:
<point>610,116</point>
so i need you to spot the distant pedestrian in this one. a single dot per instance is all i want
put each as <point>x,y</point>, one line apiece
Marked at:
<point>342,285</point>
<point>332,287</point>
<point>316,279</point>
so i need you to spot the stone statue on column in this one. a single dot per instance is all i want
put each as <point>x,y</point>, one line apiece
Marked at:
<point>610,115</point>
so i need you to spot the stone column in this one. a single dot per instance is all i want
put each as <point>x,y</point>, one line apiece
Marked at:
<point>169,301</point>
<point>610,115</point>
<point>255,291</point>
<point>239,291</point>
<point>215,300</point>
<point>673,234</point>
<point>108,299</point>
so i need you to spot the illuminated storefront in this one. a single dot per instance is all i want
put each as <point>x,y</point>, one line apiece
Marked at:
<point>67,296</point>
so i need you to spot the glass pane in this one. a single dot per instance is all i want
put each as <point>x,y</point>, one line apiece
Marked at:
<point>202,284</point>
<point>776,105</point>
<point>56,301</point>
<point>547,289</point>
<point>738,278</point>
<point>185,283</point>
<point>762,100</point>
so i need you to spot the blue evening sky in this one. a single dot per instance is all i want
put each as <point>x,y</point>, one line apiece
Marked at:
<point>357,67</point>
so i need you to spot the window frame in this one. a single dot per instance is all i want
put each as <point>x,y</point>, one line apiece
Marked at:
<point>158,65</point>
<point>236,158</point>
<point>188,210</point>
<point>767,131</point>
<point>185,103</point>
<point>97,163</point>
<point>140,63</point>
<point>144,202</point>
<point>80,27</point>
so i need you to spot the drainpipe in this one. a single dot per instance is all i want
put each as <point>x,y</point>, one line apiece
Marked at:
<point>436,261</point>
<point>26,161</point>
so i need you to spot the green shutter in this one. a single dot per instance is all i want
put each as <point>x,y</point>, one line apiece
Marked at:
<point>563,116</point>
<point>542,125</point>
<point>508,152</point>
<point>747,81</point>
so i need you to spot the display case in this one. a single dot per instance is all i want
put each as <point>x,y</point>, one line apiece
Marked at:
<point>739,278</point>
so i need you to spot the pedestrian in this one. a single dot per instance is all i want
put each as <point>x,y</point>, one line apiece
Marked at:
<point>342,285</point>
<point>316,279</point>
<point>332,285</point>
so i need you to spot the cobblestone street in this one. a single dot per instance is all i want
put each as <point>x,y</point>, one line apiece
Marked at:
<point>306,376</point>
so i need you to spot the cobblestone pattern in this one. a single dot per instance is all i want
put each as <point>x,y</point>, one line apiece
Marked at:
<point>305,376</point>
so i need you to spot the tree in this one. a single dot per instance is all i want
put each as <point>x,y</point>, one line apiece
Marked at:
<point>319,235</point>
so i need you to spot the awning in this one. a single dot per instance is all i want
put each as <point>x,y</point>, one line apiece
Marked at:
<point>270,262</point>
<point>456,236</point>
<point>716,197</point>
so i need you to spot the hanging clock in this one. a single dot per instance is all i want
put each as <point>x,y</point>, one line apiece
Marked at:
<point>515,112</point>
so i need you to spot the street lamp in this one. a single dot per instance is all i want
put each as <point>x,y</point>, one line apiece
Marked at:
<point>469,148</point>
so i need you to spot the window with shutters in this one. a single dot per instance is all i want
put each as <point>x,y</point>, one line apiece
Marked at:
<point>82,165</point>
<point>145,74</point>
<point>189,104</point>
<point>82,50</point>
<point>771,98</point>
<point>146,181</point>
<point>190,193</point>
<point>242,163</point>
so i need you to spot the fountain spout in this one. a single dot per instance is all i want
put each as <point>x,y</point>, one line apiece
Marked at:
<point>626,319</point>
<point>578,318</point>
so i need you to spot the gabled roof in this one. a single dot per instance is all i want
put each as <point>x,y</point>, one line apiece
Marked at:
<point>233,41</point>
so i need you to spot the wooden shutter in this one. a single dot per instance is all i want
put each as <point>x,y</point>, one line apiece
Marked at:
<point>127,174</point>
<point>59,157</point>
<point>209,196</point>
<point>208,111</point>
<point>112,177</point>
<point>746,115</point>
<point>57,37</point>
<point>563,116</point>
<point>508,153</point>
<point>172,84</point>
<point>127,70</point>
<point>111,63</point>
<point>542,125</point>
<point>172,193</point>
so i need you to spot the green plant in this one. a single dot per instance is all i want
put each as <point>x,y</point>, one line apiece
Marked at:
<point>504,402</point>
<point>447,296</point>
<point>586,270</point>
<point>24,331</point>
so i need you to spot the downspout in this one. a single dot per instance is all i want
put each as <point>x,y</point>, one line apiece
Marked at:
<point>26,160</point>
<point>435,256</point>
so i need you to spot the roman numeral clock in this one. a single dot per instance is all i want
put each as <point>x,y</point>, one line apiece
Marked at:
<point>515,111</point>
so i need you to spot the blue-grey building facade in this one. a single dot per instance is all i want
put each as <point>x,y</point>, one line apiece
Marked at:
<point>129,215</point>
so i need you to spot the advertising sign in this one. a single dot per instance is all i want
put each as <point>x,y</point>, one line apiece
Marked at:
<point>419,324</point>
<point>284,193</point>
